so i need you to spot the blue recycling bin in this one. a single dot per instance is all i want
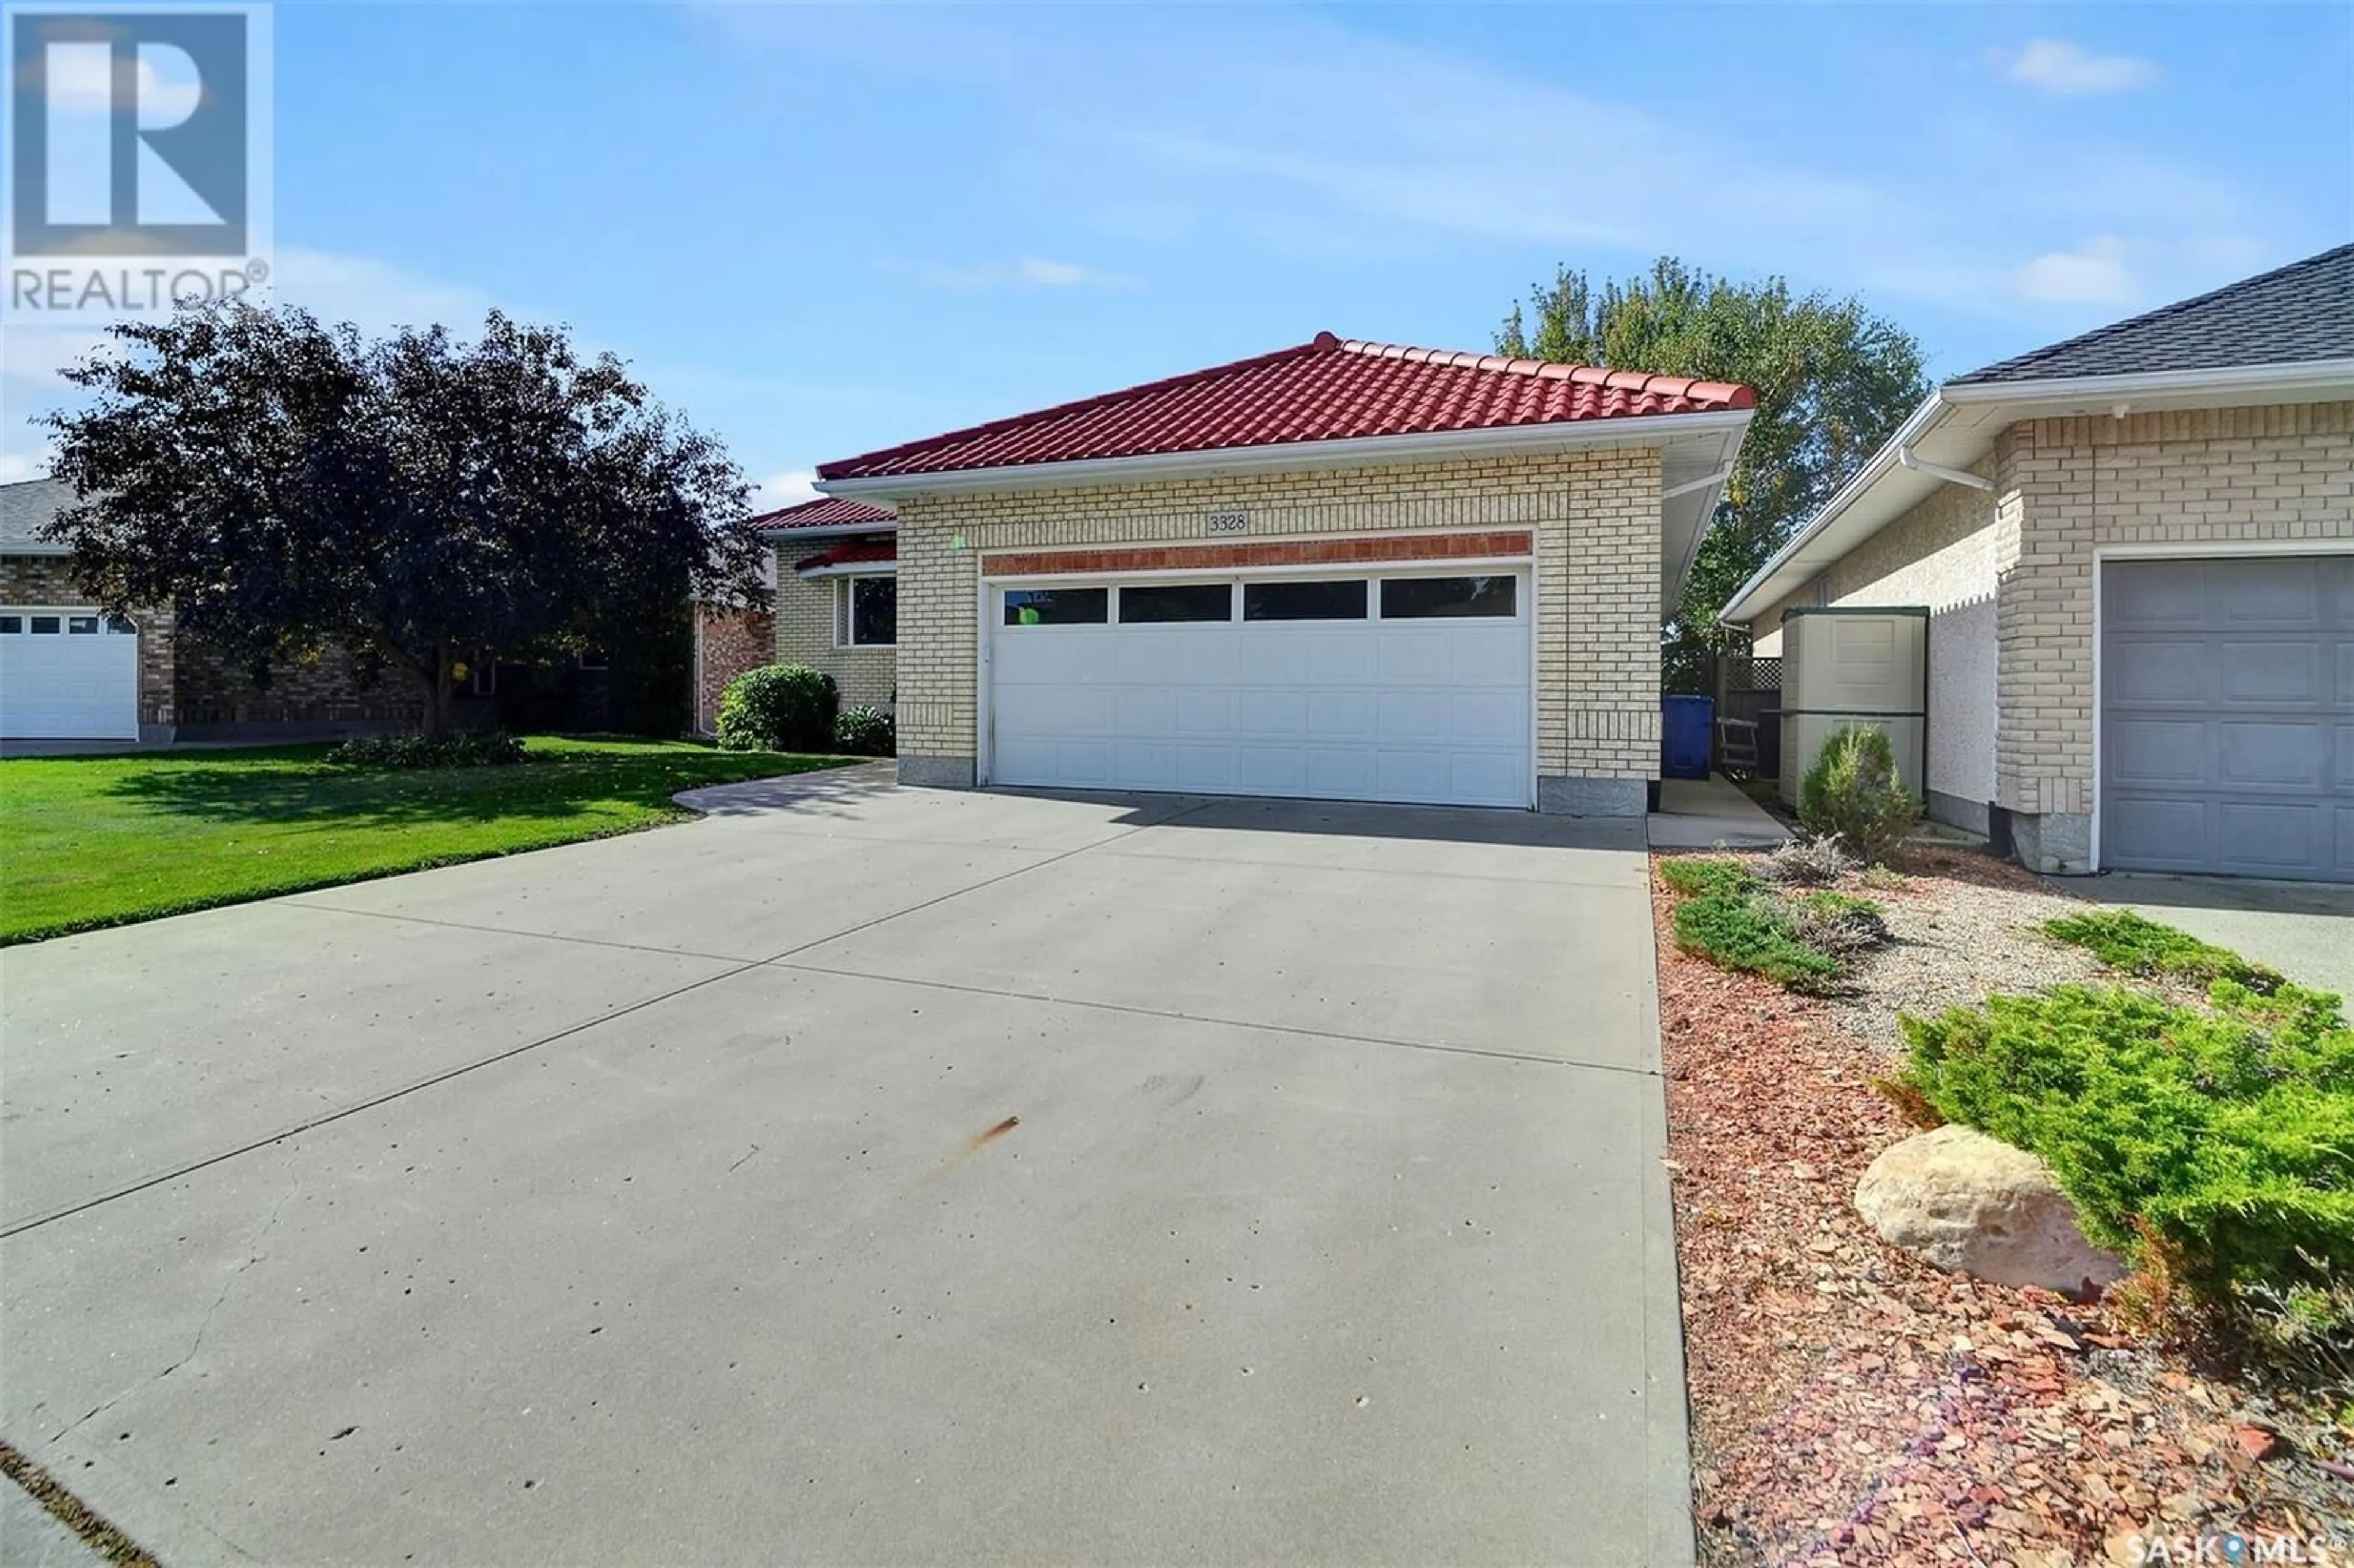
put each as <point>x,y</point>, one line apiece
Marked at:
<point>1684,730</point>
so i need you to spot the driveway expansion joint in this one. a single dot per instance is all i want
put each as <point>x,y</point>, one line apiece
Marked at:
<point>1307,1030</point>
<point>737,966</point>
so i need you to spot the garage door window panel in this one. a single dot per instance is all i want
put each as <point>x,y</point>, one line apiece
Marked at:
<point>1164,603</point>
<point>45,625</point>
<point>1283,599</point>
<point>1058,607</point>
<point>1423,599</point>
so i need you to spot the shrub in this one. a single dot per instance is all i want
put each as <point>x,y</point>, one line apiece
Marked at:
<point>1726,878</point>
<point>461,748</point>
<point>863,731</point>
<point>778,707</point>
<point>2124,940</point>
<point>1837,924</point>
<point>2218,1146</point>
<point>1809,861</point>
<point>1852,792</point>
<point>1737,932</point>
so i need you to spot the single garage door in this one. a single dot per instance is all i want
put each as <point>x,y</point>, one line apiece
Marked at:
<point>1348,686</point>
<point>68,674</point>
<point>2227,729</point>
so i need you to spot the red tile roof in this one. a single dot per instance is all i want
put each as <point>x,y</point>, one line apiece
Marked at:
<point>825,512</point>
<point>851,553</point>
<point>1325,390</point>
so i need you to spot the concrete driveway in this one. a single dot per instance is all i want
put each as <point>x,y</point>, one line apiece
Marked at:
<point>2303,929</point>
<point>867,1175</point>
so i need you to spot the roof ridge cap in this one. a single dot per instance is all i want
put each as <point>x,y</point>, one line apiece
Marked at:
<point>1322,342</point>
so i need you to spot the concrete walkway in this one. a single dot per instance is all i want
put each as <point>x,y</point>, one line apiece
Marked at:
<point>31,1537</point>
<point>1710,813</point>
<point>867,1174</point>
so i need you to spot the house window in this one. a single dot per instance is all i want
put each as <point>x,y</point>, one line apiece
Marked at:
<point>866,612</point>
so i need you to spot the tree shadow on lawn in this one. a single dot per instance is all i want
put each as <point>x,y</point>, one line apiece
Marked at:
<point>549,791</point>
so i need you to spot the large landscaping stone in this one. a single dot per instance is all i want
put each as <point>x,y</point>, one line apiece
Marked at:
<point>1974,1204</point>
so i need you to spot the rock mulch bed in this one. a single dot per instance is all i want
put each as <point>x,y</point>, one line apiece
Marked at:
<point>1852,1404</point>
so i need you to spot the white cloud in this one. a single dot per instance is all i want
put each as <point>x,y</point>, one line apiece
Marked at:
<point>14,466</point>
<point>373,295</point>
<point>80,81</point>
<point>2095,273</point>
<point>2069,70</point>
<point>1034,271</point>
<point>789,488</point>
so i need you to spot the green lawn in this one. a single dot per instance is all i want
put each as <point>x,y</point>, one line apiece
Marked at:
<point>102,841</point>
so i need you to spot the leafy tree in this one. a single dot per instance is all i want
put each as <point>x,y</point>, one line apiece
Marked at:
<point>1833,383</point>
<point>416,502</point>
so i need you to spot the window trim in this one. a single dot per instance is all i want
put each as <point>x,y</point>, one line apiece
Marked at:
<point>845,619</point>
<point>1365,616</point>
<point>999,623</point>
<point>1524,585</point>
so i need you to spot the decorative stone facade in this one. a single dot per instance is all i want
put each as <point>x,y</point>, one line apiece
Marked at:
<point>1594,515</point>
<point>44,581</point>
<point>808,631</point>
<point>726,643</point>
<point>2066,488</point>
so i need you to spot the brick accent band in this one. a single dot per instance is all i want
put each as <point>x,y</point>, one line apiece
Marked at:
<point>1267,553</point>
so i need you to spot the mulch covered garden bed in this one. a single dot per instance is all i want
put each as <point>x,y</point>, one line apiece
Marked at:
<point>1854,1404</point>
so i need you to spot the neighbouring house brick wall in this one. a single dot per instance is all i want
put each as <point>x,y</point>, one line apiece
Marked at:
<point>2066,487</point>
<point>726,643</point>
<point>1941,554</point>
<point>805,627</point>
<point>324,689</point>
<point>44,581</point>
<point>1595,516</point>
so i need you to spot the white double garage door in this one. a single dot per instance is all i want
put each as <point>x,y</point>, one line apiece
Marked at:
<point>67,674</point>
<point>1342,684</point>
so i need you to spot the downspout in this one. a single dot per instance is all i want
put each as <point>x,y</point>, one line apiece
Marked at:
<point>1910,458</point>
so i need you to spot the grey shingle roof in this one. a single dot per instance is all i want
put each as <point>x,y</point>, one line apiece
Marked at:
<point>25,507</point>
<point>2305,310</point>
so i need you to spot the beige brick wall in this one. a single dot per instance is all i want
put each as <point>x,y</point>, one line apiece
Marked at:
<point>805,635</point>
<point>2066,487</point>
<point>1595,516</point>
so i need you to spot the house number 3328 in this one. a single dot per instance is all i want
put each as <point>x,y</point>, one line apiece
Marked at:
<point>1228,523</point>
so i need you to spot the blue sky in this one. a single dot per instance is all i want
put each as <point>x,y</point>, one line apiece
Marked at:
<point>817,231</point>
